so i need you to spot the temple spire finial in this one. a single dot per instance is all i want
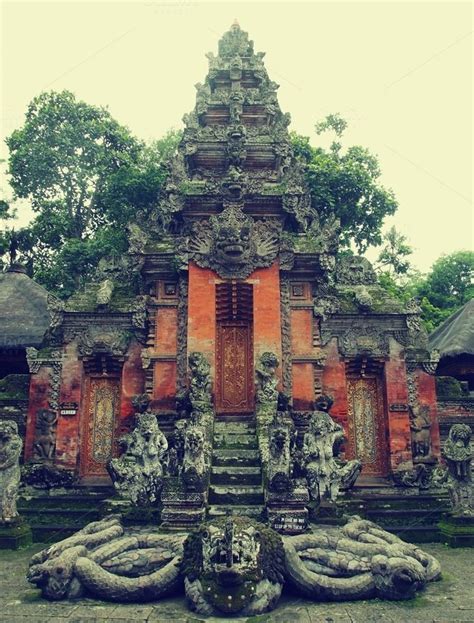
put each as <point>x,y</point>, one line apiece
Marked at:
<point>235,24</point>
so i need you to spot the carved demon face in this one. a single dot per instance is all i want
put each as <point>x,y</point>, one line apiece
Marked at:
<point>460,434</point>
<point>8,431</point>
<point>278,441</point>
<point>194,441</point>
<point>232,244</point>
<point>226,561</point>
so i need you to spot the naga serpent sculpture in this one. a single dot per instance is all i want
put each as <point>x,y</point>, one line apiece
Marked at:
<point>232,565</point>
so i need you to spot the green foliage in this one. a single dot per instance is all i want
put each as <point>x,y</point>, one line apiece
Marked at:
<point>450,282</point>
<point>394,253</point>
<point>441,292</point>
<point>86,177</point>
<point>448,387</point>
<point>61,157</point>
<point>346,184</point>
<point>15,386</point>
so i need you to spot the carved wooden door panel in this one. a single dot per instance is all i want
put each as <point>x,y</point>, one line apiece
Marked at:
<point>234,369</point>
<point>366,434</point>
<point>99,426</point>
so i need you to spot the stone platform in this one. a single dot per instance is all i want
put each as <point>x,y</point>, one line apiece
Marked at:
<point>450,600</point>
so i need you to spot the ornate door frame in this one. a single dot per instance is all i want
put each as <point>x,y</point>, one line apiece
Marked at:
<point>367,424</point>
<point>99,425</point>
<point>234,367</point>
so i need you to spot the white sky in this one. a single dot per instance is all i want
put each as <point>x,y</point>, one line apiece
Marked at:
<point>400,72</point>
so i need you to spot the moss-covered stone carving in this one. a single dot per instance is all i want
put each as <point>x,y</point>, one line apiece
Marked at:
<point>232,565</point>
<point>10,450</point>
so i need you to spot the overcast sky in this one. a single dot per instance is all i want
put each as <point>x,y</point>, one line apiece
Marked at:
<point>399,72</point>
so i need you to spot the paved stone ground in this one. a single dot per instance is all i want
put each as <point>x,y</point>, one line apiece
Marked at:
<point>449,601</point>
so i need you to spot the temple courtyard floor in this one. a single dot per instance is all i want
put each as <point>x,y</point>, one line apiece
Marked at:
<point>449,600</point>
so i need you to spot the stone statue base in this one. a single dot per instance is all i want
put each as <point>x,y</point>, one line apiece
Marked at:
<point>131,514</point>
<point>15,534</point>
<point>182,509</point>
<point>287,511</point>
<point>457,531</point>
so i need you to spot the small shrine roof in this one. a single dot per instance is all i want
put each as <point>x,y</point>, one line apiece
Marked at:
<point>24,316</point>
<point>456,335</point>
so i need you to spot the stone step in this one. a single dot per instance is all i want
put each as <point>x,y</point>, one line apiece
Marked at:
<point>234,427</point>
<point>220,494</point>
<point>236,476</point>
<point>235,458</point>
<point>222,510</point>
<point>242,417</point>
<point>235,441</point>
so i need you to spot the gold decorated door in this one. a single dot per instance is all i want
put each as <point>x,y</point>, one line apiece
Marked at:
<point>234,374</point>
<point>366,434</point>
<point>99,426</point>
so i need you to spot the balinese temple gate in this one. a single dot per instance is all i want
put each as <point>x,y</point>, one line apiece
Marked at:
<point>233,311</point>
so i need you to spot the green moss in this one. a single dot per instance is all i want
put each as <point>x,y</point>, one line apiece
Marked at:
<point>32,597</point>
<point>448,387</point>
<point>193,188</point>
<point>15,387</point>
<point>270,565</point>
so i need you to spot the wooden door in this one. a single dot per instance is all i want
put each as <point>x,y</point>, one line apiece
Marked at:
<point>99,427</point>
<point>234,369</point>
<point>366,435</point>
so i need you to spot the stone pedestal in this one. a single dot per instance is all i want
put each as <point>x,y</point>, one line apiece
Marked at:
<point>182,509</point>
<point>15,535</point>
<point>130,513</point>
<point>287,511</point>
<point>457,530</point>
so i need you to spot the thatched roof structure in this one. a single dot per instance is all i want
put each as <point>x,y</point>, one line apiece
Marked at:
<point>24,316</point>
<point>455,337</point>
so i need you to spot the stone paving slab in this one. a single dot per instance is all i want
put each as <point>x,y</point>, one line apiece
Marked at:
<point>449,601</point>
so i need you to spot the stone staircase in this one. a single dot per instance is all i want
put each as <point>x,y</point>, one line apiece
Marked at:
<point>236,475</point>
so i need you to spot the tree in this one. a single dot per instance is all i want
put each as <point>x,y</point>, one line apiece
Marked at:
<point>346,184</point>
<point>442,291</point>
<point>85,176</point>
<point>449,284</point>
<point>394,254</point>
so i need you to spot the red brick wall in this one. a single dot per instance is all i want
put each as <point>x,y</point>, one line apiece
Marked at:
<point>72,390</point>
<point>132,383</point>
<point>164,371</point>
<point>301,321</point>
<point>396,391</point>
<point>426,384</point>
<point>202,312</point>
<point>334,382</point>
<point>266,312</point>
<point>38,399</point>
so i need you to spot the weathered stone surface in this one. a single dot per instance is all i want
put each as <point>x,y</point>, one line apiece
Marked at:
<point>138,473</point>
<point>10,450</point>
<point>243,563</point>
<point>458,454</point>
<point>450,599</point>
<point>325,475</point>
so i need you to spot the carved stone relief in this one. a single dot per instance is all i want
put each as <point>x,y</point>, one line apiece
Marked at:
<point>45,435</point>
<point>233,244</point>
<point>102,340</point>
